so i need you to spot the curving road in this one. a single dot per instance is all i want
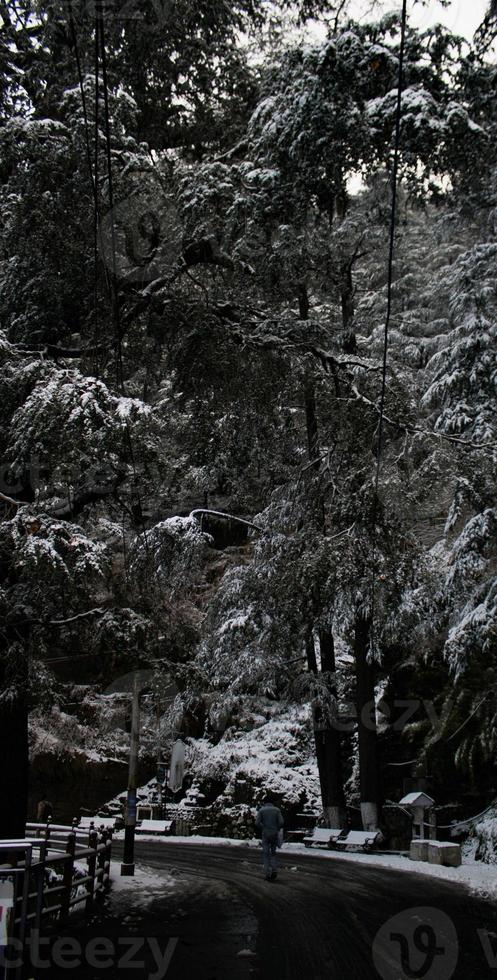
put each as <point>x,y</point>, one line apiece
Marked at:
<point>319,919</point>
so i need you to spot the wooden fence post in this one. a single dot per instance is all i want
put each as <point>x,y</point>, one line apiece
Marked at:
<point>107,859</point>
<point>92,864</point>
<point>40,886</point>
<point>23,925</point>
<point>68,875</point>
<point>102,841</point>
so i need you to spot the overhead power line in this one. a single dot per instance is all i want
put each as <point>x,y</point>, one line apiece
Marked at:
<point>391,256</point>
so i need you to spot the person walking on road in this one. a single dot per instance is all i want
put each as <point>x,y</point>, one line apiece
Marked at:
<point>270,822</point>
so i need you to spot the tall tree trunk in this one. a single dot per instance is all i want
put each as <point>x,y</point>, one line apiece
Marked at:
<point>14,766</point>
<point>326,735</point>
<point>318,726</point>
<point>334,799</point>
<point>349,342</point>
<point>310,652</point>
<point>309,388</point>
<point>327,738</point>
<point>311,421</point>
<point>342,204</point>
<point>303,298</point>
<point>369,770</point>
<point>14,745</point>
<point>347,297</point>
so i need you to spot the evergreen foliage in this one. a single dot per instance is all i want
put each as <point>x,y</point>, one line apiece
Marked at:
<point>214,341</point>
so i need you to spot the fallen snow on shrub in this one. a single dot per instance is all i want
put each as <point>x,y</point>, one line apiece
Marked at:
<point>482,840</point>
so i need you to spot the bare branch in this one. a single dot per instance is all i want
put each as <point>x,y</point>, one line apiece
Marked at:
<point>71,619</point>
<point>11,501</point>
<point>52,350</point>
<point>418,430</point>
<point>228,517</point>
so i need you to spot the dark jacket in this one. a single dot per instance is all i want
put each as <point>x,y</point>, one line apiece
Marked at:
<point>269,820</point>
<point>45,810</point>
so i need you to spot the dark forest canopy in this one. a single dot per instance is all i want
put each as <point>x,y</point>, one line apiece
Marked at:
<point>182,62</point>
<point>193,284</point>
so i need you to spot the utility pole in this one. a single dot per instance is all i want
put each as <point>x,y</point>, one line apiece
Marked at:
<point>128,865</point>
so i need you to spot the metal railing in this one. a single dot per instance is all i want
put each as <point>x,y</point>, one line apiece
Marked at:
<point>53,870</point>
<point>61,850</point>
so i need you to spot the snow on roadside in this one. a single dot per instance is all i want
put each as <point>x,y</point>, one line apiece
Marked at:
<point>142,889</point>
<point>191,839</point>
<point>481,879</point>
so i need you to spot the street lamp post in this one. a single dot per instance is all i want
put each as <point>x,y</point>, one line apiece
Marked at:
<point>128,864</point>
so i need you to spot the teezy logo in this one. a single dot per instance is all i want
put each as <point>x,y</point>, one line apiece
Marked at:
<point>418,944</point>
<point>140,238</point>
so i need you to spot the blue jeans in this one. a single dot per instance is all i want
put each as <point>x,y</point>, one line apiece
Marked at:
<point>269,854</point>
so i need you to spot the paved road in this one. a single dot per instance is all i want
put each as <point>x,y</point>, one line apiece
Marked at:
<point>318,921</point>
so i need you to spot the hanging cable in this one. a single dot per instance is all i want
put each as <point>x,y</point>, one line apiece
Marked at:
<point>96,215</point>
<point>100,53</point>
<point>92,166</point>
<point>470,820</point>
<point>74,40</point>
<point>391,255</point>
<point>116,316</point>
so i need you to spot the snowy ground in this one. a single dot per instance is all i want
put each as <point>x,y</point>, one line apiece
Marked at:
<point>480,878</point>
<point>142,889</point>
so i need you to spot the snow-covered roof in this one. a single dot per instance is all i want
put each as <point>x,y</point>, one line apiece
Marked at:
<point>417,799</point>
